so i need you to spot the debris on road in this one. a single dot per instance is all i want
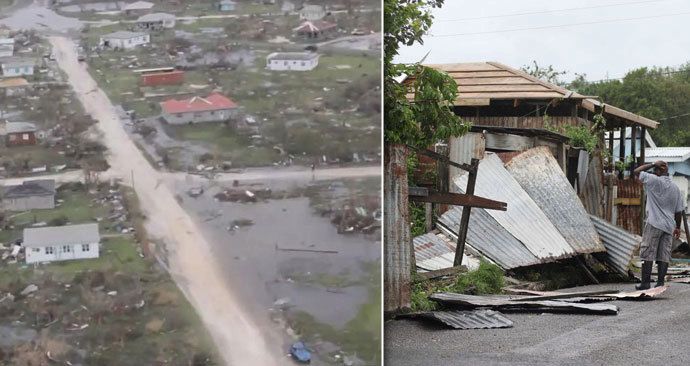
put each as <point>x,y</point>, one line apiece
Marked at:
<point>507,303</point>
<point>300,353</point>
<point>195,192</point>
<point>239,223</point>
<point>465,319</point>
<point>306,250</point>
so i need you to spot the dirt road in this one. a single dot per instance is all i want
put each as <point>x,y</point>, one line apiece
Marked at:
<point>292,174</point>
<point>237,336</point>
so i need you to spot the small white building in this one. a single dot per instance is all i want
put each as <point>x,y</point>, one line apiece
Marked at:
<point>6,47</point>
<point>61,243</point>
<point>17,66</point>
<point>155,21</point>
<point>213,108</point>
<point>124,39</point>
<point>297,61</point>
<point>138,8</point>
<point>312,12</point>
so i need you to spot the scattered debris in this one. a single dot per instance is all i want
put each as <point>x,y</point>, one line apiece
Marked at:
<point>469,319</point>
<point>195,192</point>
<point>29,289</point>
<point>306,250</point>
<point>300,353</point>
<point>239,223</point>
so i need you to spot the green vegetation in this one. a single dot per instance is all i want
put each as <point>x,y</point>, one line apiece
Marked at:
<point>487,279</point>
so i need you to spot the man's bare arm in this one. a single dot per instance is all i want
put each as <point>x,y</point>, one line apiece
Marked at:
<point>679,218</point>
<point>642,168</point>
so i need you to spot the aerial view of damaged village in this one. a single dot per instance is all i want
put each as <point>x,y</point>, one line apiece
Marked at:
<point>190,182</point>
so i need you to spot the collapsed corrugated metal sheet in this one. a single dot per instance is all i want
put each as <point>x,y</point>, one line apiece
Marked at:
<point>434,251</point>
<point>523,218</point>
<point>512,304</point>
<point>489,238</point>
<point>458,319</point>
<point>592,192</point>
<point>539,174</point>
<point>620,244</point>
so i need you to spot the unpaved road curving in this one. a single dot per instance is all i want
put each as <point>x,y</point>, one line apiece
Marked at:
<point>238,338</point>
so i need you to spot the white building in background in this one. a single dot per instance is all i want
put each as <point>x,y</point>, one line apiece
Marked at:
<point>6,47</point>
<point>17,66</point>
<point>297,61</point>
<point>124,39</point>
<point>61,243</point>
<point>312,12</point>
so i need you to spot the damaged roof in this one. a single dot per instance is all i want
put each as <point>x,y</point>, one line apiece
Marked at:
<point>42,187</point>
<point>213,102</point>
<point>539,174</point>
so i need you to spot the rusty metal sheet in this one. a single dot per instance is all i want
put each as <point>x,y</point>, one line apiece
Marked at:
<point>539,174</point>
<point>629,216</point>
<point>620,244</point>
<point>506,303</point>
<point>486,236</point>
<point>523,219</point>
<point>592,192</point>
<point>468,319</point>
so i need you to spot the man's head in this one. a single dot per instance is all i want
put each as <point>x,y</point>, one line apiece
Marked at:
<point>660,168</point>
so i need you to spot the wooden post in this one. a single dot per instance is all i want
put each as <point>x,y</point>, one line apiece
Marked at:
<point>633,148</point>
<point>443,178</point>
<point>398,252</point>
<point>465,218</point>
<point>621,146</point>
<point>611,151</point>
<point>685,224</point>
<point>428,216</point>
<point>643,133</point>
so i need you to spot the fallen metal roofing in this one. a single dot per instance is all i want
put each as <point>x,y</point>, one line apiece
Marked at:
<point>434,251</point>
<point>507,303</point>
<point>620,244</point>
<point>523,218</point>
<point>539,174</point>
<point>472,319</point>
<point>488,238</point>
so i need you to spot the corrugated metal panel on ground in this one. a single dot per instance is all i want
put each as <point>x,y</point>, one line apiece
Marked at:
<point>539,174</point>
<point>489,238</point>
<point>523,218</point>
<point>620,244</point>
<point>458,319</point>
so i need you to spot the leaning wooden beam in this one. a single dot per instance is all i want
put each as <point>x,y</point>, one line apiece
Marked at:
<point>442,272</point>
<point>459,199</point>
<point>465,218</point>
<point>439,157</point>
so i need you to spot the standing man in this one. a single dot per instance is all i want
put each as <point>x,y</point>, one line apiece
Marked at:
<point>664,206</point>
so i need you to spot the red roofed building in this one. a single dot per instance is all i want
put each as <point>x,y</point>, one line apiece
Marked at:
<point>213,108</point>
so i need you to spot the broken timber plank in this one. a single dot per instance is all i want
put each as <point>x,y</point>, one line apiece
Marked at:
<point>458,199</point>
<point>506,304</point>
<point>442,272</point>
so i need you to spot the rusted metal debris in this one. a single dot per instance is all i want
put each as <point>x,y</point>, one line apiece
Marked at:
<point>605,294</point>
<point>506,303</point>
<point>465,319</point>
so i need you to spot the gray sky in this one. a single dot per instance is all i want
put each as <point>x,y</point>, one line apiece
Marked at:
<point>609,47</point>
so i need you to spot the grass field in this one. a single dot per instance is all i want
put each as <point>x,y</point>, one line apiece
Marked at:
<point>147,320</point>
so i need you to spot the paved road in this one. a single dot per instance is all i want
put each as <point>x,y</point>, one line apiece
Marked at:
<point>643,333</point>
<point>238,337</point>
<point>293,174</point>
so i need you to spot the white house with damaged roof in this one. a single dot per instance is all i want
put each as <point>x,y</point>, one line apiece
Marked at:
<point>17,66</point>
<point>294,61</point>
<point>61,243</point>
<point>6,47</point>
<point>124,40</point>
<point>30,195</point>
<point>155,21</point>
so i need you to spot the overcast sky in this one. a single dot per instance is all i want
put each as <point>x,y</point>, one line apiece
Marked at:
<point>611,47</point>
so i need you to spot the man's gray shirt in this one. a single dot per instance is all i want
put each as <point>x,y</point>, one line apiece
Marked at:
<point>663,201</point>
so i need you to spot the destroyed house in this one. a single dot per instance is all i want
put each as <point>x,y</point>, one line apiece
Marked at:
<point>19,133</point>
<point>213,108</point>
<point>299,61</point>
<point>13,86</point>
<point>160,76</point>
<point>61,243</point>
<point>226,5</point>
<point>562,201</point>
<point>30,195</point>
<point>155,22</point>
<point>315,29</point>
<point>124,40</point>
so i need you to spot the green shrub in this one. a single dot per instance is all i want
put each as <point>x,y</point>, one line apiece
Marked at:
<point>487,279</point>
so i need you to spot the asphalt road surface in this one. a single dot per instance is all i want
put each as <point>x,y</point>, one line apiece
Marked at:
<point>655,332</point>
